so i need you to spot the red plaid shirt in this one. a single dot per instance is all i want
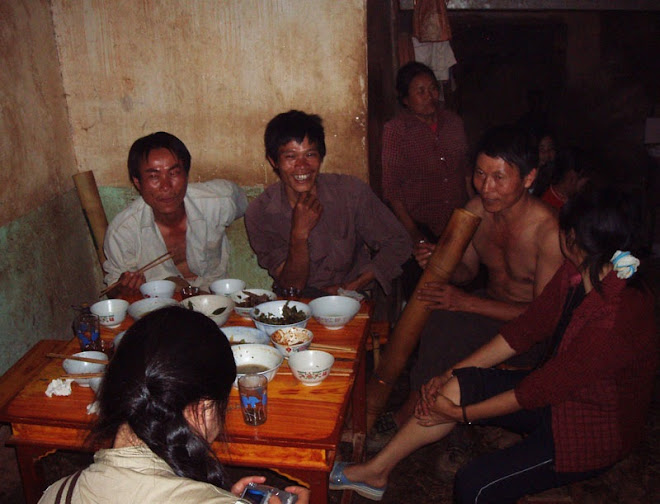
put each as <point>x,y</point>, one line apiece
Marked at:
<point>600,382</point>
<point>425,170</point>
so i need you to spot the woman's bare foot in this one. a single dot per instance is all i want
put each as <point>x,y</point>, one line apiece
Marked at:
<point>363,473</point>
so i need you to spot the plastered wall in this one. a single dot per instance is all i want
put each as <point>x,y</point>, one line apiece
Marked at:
<point>46,263</point>
<point>213,73</point>
<point>82,79</point>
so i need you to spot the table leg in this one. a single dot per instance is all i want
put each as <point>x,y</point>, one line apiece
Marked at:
<point>359,400</point>
<point>318,484</point>
<point>32,474</point>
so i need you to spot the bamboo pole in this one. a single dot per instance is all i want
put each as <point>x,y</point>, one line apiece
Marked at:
<point>405,335</point>
<point>90,200</point>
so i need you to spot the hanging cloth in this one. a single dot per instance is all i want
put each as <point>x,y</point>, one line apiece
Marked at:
<point>430,21</point>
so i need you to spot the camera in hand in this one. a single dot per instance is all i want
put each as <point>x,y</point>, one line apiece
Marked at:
<point>261,494</point>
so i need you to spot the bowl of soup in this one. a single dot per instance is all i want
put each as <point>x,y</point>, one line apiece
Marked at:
<point>256,359</point>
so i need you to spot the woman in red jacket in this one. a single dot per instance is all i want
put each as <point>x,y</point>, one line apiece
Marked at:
<point>583,409</point>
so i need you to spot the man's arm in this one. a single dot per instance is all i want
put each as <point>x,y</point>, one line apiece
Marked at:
<point>441,296</point>
<point>385,236</point>
<point>402,214</point>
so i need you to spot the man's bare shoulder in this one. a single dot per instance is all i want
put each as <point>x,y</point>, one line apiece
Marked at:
<point>543,217</point>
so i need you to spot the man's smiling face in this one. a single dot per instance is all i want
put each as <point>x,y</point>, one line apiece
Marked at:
<point>298,165</point>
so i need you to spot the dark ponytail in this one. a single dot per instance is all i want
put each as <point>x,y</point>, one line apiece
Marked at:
<point>600,221</point>
<point>168,360</point>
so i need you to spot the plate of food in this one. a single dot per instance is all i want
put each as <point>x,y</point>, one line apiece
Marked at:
<point>247,299</point>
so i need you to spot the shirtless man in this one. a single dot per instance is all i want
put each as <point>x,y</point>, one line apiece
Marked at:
<point>517,241</point>
<point>187,220</point>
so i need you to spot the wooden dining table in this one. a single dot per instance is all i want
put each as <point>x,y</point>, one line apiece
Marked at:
<point>300,438</point>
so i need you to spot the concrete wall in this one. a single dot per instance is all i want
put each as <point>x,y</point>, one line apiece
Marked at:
<point>213,73</point>
<point>82,79</point>
<point>46,261</point>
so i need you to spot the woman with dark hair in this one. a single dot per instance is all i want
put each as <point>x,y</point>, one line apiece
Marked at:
<point>425,167</point>
<point>162,402</point>
<point>583,408</point>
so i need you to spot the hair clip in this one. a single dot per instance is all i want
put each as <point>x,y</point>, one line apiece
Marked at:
<point>625,264</point>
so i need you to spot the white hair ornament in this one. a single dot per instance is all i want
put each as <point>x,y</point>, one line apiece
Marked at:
<point>625,264</point>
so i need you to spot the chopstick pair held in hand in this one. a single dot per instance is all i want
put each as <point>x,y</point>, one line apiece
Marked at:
<point>156,262</point>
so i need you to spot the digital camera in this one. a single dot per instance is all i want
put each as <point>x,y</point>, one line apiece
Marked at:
<point>261,494</point>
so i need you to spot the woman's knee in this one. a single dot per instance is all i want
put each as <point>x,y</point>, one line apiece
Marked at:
<point>452,390</point>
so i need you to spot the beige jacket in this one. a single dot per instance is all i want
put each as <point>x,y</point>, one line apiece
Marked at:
<point>136,474</point>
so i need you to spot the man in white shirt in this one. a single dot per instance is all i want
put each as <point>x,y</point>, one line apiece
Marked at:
<point>187,220</point>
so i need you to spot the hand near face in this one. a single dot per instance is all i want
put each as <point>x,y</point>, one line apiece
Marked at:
<point>442,296</point>
<point>306,214</point>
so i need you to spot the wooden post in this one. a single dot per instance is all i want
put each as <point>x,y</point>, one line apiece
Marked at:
<point>405,335</point>
<point>92,207</point>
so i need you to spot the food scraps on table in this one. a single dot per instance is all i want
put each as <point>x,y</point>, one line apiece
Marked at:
<point>59,387</point>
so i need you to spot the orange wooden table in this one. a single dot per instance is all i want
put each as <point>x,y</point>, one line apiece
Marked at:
<point>299,439</point>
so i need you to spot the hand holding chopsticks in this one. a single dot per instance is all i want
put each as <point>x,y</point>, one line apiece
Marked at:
<point>156,262</point>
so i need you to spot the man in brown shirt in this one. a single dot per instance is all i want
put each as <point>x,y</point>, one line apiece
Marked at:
<point>316,232</point>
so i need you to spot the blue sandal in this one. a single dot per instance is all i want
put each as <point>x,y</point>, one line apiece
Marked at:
<point>339,481</point>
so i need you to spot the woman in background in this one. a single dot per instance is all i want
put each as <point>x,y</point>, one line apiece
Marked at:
<point>426,174</point>
<point>162,402</point>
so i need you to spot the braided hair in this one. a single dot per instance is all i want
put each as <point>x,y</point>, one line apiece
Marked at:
<point>168,360</point>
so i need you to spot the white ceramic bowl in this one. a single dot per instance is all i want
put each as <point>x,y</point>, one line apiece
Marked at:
<point>95,384</point>
<point>291,340</point>
<point>111,312</point>
<point>140,308</point>
<point>275,309</point>
<point>266,357</point>
<point>158,289</point>
<point>79,367</point>
<point>227,286</point>
<point>311,367</point>
<point>239,335</point>
<point>117,339</point>
<point>334,312</point>
<point>241,296</point>
<point>217,308</point>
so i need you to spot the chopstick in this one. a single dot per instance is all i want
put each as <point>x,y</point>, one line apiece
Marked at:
<point>73,357</point>
<point>78,376</point>
<point>156,262</point>
<point>322,346</point>
<point>334,372</point>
